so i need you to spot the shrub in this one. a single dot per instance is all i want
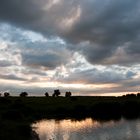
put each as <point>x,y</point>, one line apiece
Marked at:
<point>68,94</point>
<point>23,94</point>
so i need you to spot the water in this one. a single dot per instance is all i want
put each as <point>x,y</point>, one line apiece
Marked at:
<point>87,129</point>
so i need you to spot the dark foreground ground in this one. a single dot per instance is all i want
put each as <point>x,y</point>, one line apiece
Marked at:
<point>17,113</point>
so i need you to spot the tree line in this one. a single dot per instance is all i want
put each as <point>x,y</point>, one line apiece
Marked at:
<point>58,93</point>
<point>25,94</point>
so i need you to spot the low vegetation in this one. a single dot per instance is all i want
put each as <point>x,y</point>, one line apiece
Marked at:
<point>17,113</point>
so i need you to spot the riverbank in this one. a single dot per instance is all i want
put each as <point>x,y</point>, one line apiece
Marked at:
<point>17,113</point>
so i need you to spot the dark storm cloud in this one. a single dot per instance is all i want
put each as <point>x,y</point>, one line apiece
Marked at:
<point>107,24</point>
<point>35,15</point>
<point>19,12</point>
<point>112,29</point>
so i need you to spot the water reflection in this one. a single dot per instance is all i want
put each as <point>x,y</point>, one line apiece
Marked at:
<point>87,129</point>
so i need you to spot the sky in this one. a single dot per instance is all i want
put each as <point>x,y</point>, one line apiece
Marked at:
<point>88,47</point>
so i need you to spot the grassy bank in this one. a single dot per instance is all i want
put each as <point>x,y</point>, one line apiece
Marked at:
<point>16,113</point>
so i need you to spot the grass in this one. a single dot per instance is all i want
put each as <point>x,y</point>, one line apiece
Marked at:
<point>17,113</point>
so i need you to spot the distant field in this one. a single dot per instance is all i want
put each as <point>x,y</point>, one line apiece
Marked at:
<point>76,106</point>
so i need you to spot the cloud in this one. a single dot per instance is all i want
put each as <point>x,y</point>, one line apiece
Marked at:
<point>31,71</point>
<point>4,63</point>
<point>96,76</point>
<point>30,49</point>
<point>44,16</point>
<point>42,36</point>
<point>47,55</point>
<point>109,26</point>
<point>19,11</point>
<point>12,77</point>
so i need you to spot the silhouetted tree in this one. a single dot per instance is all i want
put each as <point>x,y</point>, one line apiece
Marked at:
<point>131,95</point>
<point>6,94</point>
<point>56,93</point>
<point>138,94</point>
<point>123,96</point>
<point>47,94</point>
<point>23,94</point>
<point>0,94</point>
<point>68,94</point>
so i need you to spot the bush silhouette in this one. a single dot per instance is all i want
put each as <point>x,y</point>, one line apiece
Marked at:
<point>68,94</point>
<point>131,95</point>
<point>47,94</point>
<point>23,94</point>
<point>56,93</point>
<point>6,94</point>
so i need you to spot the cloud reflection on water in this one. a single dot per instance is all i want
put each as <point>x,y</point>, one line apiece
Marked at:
<point>87,129</point>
